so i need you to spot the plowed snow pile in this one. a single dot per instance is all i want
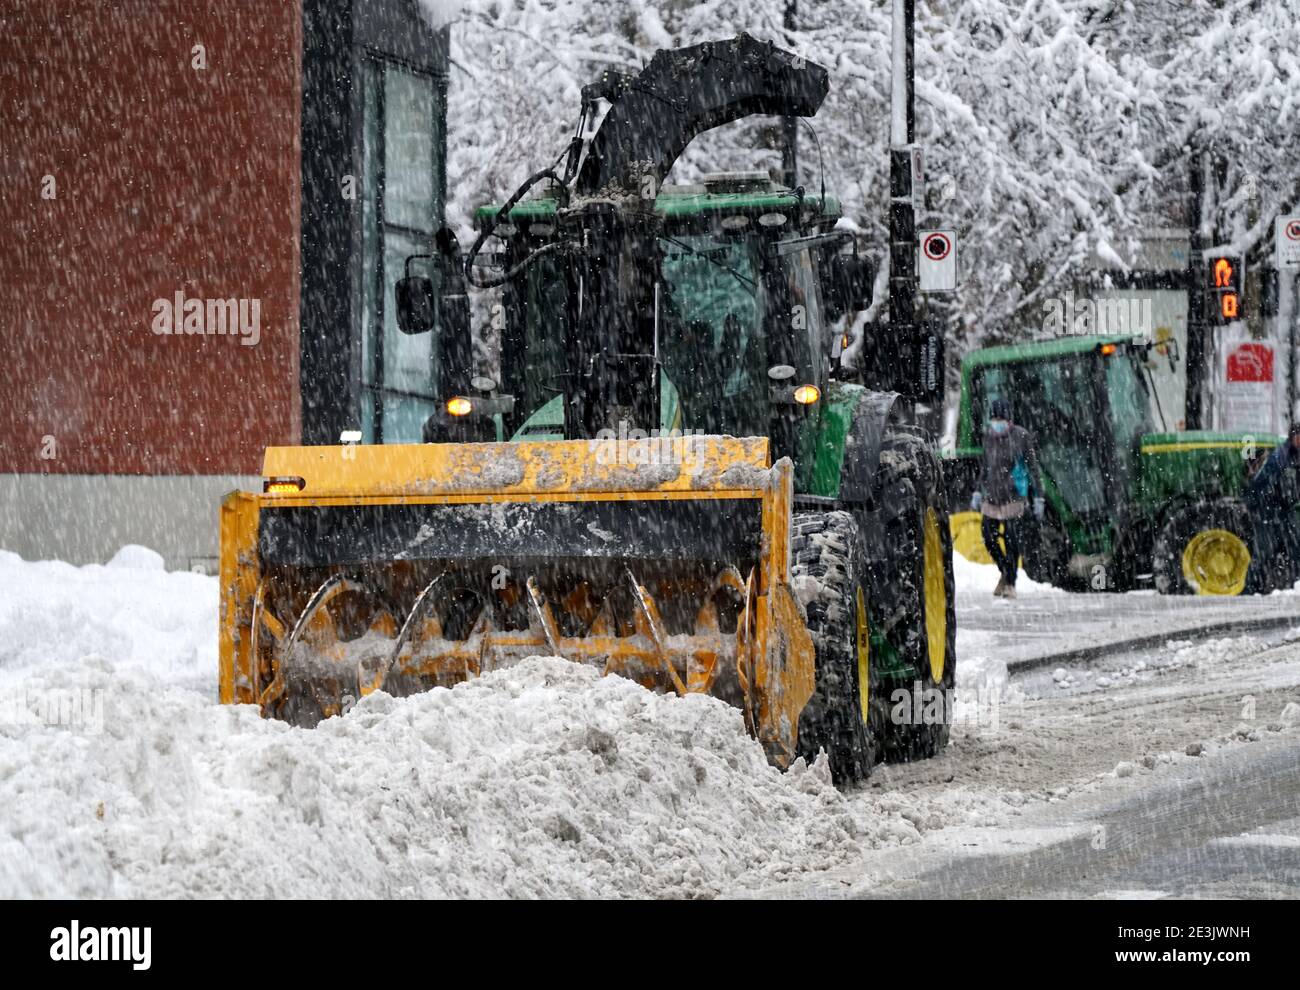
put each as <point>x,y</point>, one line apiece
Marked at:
<point>544,780</point>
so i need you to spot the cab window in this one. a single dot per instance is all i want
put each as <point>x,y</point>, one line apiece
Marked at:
<point>712,346</point>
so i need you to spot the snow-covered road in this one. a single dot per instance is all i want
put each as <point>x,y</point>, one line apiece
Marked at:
<point>1157,773</point>
<point>545,780</point>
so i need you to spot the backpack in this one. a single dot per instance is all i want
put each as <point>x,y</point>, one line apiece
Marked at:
<point>1020,477</point>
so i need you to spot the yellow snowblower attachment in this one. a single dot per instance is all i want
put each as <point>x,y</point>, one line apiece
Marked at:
<point>406,567</point>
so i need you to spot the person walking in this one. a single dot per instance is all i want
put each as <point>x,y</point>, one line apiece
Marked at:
<point>1271,499</point>
<point>1008,470</point>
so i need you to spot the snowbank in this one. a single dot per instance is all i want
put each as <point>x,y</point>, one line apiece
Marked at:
<point>970,578</point>
<point>130,610</point>
<point>546,780</point>
<point>120,776</point>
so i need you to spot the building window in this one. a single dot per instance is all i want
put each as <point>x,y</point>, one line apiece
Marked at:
<point>402,178</point>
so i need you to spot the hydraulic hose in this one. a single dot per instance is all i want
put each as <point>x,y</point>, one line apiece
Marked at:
<point>501,214</point>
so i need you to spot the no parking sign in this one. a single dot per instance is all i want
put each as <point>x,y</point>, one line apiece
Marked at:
<point>937,265</point>
<point>1287,238</point>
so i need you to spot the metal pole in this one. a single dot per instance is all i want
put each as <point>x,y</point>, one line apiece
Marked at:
<point>1286,288</point>
<point>1196,293</point>
<point>790,151</point>
<point>902,218</point>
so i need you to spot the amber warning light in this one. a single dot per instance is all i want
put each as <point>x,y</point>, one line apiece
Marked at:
<point>283,486</point>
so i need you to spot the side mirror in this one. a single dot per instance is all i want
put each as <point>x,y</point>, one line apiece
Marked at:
<point>415,304</point>
<point>852,279</point>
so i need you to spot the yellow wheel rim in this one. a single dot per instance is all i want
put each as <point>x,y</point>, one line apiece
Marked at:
<point>936,597</point>
<point>967,539</point>
<point>1215,562</point>
<point>864,659</point>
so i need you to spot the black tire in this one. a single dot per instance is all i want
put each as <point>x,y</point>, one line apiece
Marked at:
<point>1185,524</point>
<point>912,596</point>
<point>1046,554</point>
<point>828,575</point>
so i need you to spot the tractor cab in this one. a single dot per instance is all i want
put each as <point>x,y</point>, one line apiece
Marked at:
<point>752,281</point>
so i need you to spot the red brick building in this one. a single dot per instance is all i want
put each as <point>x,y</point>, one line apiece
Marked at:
<point>246,174</point>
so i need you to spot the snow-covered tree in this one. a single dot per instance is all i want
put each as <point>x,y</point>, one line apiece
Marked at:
<point>1055,131</point>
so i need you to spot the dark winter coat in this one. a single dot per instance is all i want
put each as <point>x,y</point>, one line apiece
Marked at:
<point>1001,452</point>
<point>1271,497</point>
<point>1273,489</point>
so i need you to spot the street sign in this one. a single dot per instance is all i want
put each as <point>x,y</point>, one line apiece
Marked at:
<point>1287,239</point>
<point>937,267</point>
<point>1248,384</point>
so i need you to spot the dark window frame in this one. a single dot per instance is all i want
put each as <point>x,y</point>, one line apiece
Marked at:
<point>372,66</point>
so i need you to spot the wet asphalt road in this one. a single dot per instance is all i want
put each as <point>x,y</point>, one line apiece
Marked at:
<point>1227,828</point>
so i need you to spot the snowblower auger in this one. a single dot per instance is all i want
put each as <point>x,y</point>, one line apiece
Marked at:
<point>389,568</point>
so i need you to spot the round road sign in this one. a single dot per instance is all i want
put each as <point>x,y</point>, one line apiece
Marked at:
<point>1293,230</point>
<point>936,247</point>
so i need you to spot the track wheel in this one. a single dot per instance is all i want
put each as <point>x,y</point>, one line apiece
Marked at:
<point>1204,549</point>
<point>337,652</point>
<point>846,713</point>
<point>912,592</point>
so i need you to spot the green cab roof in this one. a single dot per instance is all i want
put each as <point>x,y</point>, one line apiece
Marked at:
<point>1173,442</point>
<point>1039,350</point>
<point>672,203</point>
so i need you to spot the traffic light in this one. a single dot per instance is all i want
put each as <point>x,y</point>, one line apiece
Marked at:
<point>1224,296</point>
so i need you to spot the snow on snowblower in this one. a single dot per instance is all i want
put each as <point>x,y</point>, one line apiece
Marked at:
<point>668,481</point>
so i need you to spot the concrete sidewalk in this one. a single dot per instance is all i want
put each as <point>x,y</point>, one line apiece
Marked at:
<point>1049,626</point>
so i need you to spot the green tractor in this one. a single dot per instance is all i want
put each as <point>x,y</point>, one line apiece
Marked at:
<point>754,286</point>
<point>1129,503</point>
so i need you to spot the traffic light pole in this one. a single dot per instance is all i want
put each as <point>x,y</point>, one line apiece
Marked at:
<point>1196,296</point>
<point>902,217</point>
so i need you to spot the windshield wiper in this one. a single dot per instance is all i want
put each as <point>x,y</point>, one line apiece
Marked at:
<point>744,280</point>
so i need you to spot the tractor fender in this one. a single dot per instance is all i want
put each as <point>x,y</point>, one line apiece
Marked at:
<point>862,447</point>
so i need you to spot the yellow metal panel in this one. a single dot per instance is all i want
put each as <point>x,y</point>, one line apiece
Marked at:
<point>556,468</point>
<point>777,506</point>
<point>785,678</point>
<point>772,650</point>
<point>239,574</point>
<point>488,498</point>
